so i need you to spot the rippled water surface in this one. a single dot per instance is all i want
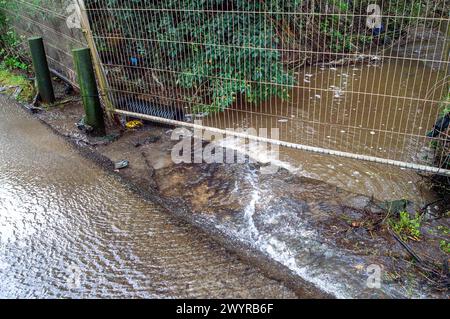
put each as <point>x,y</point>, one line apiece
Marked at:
<point>67,229</point>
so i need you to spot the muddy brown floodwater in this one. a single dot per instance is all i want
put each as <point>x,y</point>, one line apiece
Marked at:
<point>68,229</point>
<point>348,108</point>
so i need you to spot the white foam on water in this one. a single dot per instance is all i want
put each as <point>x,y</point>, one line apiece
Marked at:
<point>269,244</point>
<point>250,209</point>
<point>258,152</point>
<point>280,252</point>
<point>3,265</point>
<point>274,248</point>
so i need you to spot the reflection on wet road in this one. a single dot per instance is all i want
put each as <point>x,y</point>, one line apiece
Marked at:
<point>67,229</point>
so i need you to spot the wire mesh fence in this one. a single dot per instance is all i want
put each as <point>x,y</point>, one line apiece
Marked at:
<point>347,76</point>
<point>361,79</point>
<point>57,23</point>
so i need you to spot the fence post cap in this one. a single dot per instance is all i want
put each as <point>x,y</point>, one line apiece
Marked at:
<point>35,38</point>
<point>80,50</point>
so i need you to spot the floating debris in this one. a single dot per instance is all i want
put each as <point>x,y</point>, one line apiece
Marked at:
<point>82,126</point>
<point>134,124</point>
<point>121,164</point>
<point>17,92</point>
<point>148,140</point>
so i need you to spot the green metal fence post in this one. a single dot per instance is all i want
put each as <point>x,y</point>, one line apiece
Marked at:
<point>89,92</point>
<point>40,64</point>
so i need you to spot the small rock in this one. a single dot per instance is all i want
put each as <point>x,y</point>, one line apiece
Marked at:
<point>121,164</point>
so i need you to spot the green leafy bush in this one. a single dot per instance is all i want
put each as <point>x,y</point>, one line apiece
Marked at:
<point>207,52</point>
<point>406,227</point>
<point>445,246</point>
<point>9,41</point>
<point>214,56</point>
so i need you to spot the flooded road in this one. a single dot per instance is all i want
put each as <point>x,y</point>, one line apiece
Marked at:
<point>382,108</point>
<point>67,229</point>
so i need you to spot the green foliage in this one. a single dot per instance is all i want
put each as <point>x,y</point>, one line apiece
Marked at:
<point>445,246</point>
<point>445,105</point>
<point>215,50</point>
<point>406,227</point>
<point>214,56</point>
<point>9,41</point>
<point>8,79</point>
<point>444,230</point>
<point>12,61</point>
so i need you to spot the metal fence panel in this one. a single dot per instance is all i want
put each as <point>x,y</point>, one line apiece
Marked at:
<point>359,79</point>
<point>349,78</point>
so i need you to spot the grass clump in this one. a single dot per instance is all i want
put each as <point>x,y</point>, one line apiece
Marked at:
<point>406,227</point>
<point>12,82</point>
<point>445,246</point>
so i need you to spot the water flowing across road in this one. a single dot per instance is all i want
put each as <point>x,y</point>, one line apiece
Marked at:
<point>68,229</point>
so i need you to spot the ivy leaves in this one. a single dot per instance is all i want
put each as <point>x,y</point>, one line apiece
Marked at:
<point>213,50</point>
